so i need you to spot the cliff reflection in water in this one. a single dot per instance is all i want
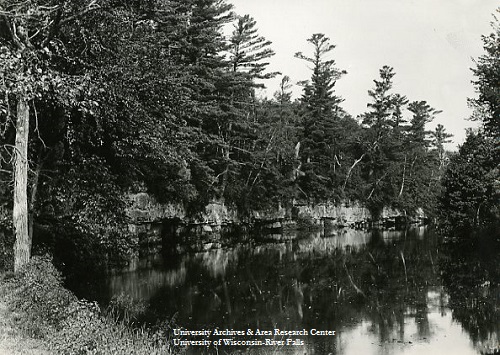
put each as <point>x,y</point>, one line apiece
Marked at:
<point>381,291</point>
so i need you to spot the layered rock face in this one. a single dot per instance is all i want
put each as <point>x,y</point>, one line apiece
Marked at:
<point>170,223</point>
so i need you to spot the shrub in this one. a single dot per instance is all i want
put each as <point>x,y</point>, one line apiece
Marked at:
<point>70,326</point>
<point>307,224</point>
<point>470,186</point>
<point>126,308</point>
<point>37,292</point>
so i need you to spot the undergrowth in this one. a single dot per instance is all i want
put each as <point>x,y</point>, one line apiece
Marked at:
<point>48,311</point>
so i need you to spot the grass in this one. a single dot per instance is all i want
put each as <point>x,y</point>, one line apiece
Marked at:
<point>12,340</point>
<point>39,316</point>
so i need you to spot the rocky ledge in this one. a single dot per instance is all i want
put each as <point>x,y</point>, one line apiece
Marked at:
<point>154,222</point>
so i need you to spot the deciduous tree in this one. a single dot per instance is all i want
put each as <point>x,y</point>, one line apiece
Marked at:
<point>35,62</point>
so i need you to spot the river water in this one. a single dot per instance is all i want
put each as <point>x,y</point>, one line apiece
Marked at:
<point>382,292</point>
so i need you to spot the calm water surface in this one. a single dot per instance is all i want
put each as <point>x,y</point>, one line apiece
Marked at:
<point>382,292</point>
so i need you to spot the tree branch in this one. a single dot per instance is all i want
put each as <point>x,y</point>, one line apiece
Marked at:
<point>54,24</point>
<point>350,169</point>
<point>90,7</point>
<point>11,29</point>
<point>36,126</point>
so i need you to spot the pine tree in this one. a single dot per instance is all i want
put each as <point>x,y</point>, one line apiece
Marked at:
<point>421,172</point>
<point>440,138</point>
<point>384,134</point>
<point>272,177</point>
<point>248,49</point>
<point>243,162</point>
<point>319,91</point>
<point>422,114</point>
<point>322,116</point>
<point>382,107</point>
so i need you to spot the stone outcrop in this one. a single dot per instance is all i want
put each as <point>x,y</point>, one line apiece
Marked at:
<point>145,209</point>
<point>154,222</point>
<point>343,215</point>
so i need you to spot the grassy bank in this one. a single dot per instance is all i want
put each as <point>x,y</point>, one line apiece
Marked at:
<point>39,316</point>
<point>12,340</point>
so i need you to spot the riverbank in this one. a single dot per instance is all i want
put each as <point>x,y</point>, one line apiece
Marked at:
<point>12,340</point>
<point>38,316</point>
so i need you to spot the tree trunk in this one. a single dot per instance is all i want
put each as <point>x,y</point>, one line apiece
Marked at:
<point>350,170</point>
<point>225,154</point>
<point>403,180</point>
<point>32,200</point>
<point>22,246</point>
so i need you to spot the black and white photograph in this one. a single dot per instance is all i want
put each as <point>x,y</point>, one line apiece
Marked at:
<point>249,177</point>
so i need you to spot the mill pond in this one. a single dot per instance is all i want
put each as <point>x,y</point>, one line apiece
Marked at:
<point>382,292</point>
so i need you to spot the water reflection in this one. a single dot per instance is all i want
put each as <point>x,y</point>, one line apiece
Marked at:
<point>381,292</point>
<point>471,274</point>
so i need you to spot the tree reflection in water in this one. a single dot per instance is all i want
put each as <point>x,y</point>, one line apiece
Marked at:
<point>471,274</point>
<point>381,291</point>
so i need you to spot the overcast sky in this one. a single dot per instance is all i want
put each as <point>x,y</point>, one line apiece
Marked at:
<point>429,43</point>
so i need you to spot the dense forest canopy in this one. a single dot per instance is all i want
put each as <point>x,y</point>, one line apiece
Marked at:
<point>100,99</point>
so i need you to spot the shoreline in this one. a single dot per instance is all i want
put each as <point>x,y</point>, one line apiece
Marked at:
<point>39,316</point>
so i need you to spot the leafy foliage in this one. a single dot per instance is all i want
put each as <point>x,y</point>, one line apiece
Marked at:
<point>471,183</point>
<point>471,191</point>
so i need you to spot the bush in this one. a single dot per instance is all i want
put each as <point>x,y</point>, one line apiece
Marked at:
<point>37,292</point>
<point>470,186</point>
<point>6,249</point>
<point>307,224</point>
<point>126,308</point>
<point>70,326</point>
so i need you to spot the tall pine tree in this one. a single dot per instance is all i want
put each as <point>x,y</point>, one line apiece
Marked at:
<point>319,148</point>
